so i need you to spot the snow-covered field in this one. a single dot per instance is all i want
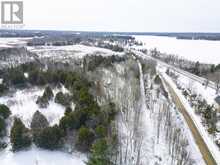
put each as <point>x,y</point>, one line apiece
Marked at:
<point>10,42</point>
<point>195,50</point>
<point>73,51</point>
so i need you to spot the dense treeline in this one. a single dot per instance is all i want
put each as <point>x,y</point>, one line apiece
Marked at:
<point>200,69</point>
<point>92,62</point>
<point>112,47</point>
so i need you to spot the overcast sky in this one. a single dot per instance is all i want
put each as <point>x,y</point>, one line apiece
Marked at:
<point>123,15</point>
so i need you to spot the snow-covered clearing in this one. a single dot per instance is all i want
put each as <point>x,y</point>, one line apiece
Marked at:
<point>23,105</point>
<point>197,120</point>
<point>195,50</point>
<point>36,156</point>
<point>74,51</point>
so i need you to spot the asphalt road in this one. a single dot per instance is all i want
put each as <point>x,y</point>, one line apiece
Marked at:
<point>206,154</point>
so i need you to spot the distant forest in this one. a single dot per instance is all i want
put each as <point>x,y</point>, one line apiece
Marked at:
<point>39,33</point>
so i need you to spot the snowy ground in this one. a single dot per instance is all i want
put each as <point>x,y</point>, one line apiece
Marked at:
<point>74,51</point>
<point>10,42</point>
<point>195,50</point>
<point>160,152</point>
<point>36,156</point>
<point>23,105</point>
<point>159,147</point>
<point>138,135</point>
<point>209,94</point>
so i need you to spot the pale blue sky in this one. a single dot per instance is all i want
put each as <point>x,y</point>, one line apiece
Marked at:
<point>124,15</point>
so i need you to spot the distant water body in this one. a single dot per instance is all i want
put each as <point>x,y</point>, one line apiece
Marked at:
<point>203,51</point>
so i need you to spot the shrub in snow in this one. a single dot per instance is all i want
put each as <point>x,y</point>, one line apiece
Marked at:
<point>157,80</point>
<point>68,110</point>
<point>39,121</point>
<point>48,93</point>
<point>49,138</point>
<point>2,127</point>
<point>3,88</point>
<point>4,111</point>
<point>218,142</point>
<point>63,99</point>
<point>72,120</point>
<point>3,145</point>
<point>4,114</point>
<point>43,101</point>
<point>19,137</point>
<point>99,155</point>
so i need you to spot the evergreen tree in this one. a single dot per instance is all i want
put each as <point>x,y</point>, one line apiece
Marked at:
<point>99,153</point>
<point>48,93</point>
<point>49,138</point>
<point>4,111</point>
<point>85,138</point>
<point>2,127</point>
<point>20,137</point>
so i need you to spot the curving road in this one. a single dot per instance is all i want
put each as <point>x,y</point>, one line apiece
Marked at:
<point>204,149</point>
<point>207,155</point>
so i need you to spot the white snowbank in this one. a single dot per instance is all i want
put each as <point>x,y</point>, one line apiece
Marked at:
<point>209,94</point>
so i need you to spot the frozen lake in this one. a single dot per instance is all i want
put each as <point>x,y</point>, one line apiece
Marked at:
<point>197,50</point>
